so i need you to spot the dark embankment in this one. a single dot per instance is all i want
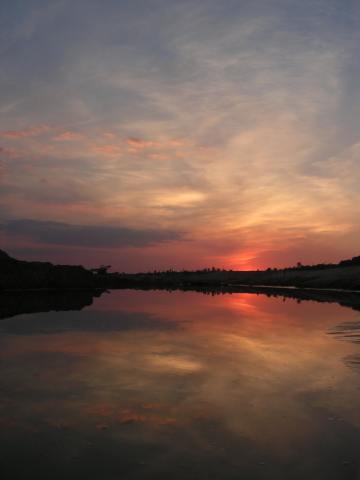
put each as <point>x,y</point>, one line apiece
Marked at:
<point>18,274</point>
<point>337,277</point>
<point>27,301</point>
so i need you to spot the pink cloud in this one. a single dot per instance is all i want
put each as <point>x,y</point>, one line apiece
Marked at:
<point>140,144</point>
<point>8,152</point>
<point>27,132</point>
<point>68,136</point>
<point>109,149</point>
<point>135,144</point>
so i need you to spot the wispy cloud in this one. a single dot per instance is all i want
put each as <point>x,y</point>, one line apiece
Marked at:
<point>107,149</point>
<point>68,136</point>
<point>26,132</point>
<point>139,144</point>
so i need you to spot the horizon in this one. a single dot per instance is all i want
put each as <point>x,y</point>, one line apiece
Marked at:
<point>176,134</point>
<point>211,269</point>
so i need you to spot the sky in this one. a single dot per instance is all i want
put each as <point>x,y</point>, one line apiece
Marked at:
<point>152,134</point>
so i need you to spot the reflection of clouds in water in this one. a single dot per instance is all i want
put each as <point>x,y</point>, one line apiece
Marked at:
<point>231,312</point>
<point>179,363</point>
<point>256,378</point>
<point>83,321</point>
<point>113,415</point>
<point>353,361</point>
<point>349,332</point>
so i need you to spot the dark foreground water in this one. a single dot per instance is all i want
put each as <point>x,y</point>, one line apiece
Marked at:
<point>157,385</point>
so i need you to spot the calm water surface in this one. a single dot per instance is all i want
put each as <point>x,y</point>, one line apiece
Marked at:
<point>157,385</point>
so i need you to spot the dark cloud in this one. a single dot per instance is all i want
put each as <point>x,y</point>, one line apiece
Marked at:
<point>57,233</point>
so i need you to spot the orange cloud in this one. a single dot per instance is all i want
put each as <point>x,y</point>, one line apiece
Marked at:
<point>68,136</point>
<point>159,156</point>
<point>27,132</point>
<point>176,143</point>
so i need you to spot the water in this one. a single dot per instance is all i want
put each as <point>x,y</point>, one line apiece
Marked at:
<point>158,385</point>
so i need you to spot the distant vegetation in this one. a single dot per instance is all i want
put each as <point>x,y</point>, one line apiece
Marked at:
<point>353,262</point>
<point>17,274</point>
<point>344,275</point>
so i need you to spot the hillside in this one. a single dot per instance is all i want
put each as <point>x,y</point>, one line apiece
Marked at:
<point>18,274</point>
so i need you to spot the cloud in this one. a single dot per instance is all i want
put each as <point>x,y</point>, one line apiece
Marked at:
<point>8,152</point>
<point>57,233</point>
<point>140,144</point>
<point>177,198</point>
<point>73,321</point>
<point>109,149</point>
<point>68,136</point>
<point>27,132</point>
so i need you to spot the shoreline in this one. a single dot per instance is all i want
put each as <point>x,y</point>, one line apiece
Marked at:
<point>189,287</point>
<point>172,286</point>
<point>23,301</point>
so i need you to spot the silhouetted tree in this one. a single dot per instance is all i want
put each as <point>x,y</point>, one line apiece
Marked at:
<point>102,270</point>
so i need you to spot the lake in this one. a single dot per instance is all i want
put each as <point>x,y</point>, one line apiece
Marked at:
<point>159,385</point>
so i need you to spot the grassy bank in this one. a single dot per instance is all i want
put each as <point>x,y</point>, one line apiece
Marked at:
<point>347,278</point>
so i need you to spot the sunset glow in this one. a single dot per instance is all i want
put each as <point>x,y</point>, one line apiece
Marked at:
<point>150,135</point>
